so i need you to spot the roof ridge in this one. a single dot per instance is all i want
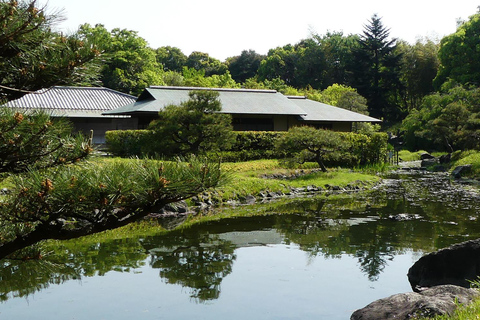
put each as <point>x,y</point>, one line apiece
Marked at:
<point>92,88</point>
<point>214,89</point>
<point>296,97</point>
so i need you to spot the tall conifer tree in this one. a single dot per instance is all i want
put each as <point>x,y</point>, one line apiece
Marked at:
<point>375,70</point>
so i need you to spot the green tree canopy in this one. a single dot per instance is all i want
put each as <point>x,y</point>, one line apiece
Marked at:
<point>130,64</point>
<point>419,66</point>
<point>459,55</point>
<point>171,58</point>
<point>445,121</point>
<point>193,126</point>
<point>33,56</point>
<point>245,65</point>
<point>337,50</point>
<point>202,61</point>
<point>310,143</point>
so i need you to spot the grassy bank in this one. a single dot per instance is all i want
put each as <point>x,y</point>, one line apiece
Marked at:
<point>459,158</point>
<point>247,178</point>
<point>252,177</point>
<point>469,312</point>
<point>468,157</point>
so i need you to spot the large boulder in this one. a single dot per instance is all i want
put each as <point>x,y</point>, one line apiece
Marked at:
<point>426,156</point>
<point>458,264</point>
<point>428,162</point>
<point>460,170</point>
<point>430,302</point>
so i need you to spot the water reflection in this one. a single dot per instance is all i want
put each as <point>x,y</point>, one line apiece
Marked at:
<point>404,215</point>
<point>70,260</point>
<point>196,261</point>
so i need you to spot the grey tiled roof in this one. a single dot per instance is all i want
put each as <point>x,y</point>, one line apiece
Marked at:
<point>317,111</point>
<point>234,101</point>
<point>73,101</point>
<point>244,101</point>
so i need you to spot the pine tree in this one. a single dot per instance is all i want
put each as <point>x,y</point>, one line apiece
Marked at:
<point>375,70</point>
<point>33,56</point>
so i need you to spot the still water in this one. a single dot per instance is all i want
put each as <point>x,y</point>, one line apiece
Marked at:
<point>312,258</point>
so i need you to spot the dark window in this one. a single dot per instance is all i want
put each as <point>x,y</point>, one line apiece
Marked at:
<point>252,124</point>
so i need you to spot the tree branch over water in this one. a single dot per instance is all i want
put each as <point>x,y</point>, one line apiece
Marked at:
<point>77,200</point>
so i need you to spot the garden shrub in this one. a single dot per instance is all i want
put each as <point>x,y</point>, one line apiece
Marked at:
<point>252,145</point>
<point>128,143</point>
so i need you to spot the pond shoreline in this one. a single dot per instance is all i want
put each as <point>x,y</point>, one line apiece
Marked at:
<point>206,202</point>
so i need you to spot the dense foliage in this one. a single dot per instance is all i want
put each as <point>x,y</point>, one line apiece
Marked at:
<point>375,70</point>
<point>131,143</point>
<point>310,144</point>
<point>363,149</point>
<point>446,121</point>
<point>33,56</point>
<point>459,55</point>
<point>74,201</point>
<point>333,148</point>
<point>30,141</point>
<point>194,126</point>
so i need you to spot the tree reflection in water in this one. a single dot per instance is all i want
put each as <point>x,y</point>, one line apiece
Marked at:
<point>71,260</point>
<point>201,256</point>
<point>199,262</point>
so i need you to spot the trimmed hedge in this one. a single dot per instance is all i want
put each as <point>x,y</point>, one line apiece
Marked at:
<point>254,145</point>
<point>128,143</point>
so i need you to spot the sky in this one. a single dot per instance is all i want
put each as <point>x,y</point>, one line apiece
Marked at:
<point>224,28</point>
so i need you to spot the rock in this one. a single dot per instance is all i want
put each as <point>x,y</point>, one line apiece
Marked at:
<point>332,188</point>
<point>460,170</point>
<point>426,156</point>
<point>404,217</point>
<point>457,265</point>
<point>178,207</point>
<point>250,199</point>
<point>428,162</point>
<point>171,221</point>
<point>262,194</point>
<point>430,302</point>
<point>445,158</point>
<point>272,195</point>
<point>439,168</point>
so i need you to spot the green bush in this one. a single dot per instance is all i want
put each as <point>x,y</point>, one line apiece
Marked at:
<point>127,143</point>
<point>256,140</point>
<point>362,150</point>
<point>253,145</point>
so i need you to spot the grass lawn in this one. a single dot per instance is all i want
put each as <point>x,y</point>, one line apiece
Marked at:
<point>248,178</point>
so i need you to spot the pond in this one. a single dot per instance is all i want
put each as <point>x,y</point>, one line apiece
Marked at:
<point>315,257</point>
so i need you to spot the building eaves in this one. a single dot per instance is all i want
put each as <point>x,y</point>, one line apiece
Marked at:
<point>317,111</point>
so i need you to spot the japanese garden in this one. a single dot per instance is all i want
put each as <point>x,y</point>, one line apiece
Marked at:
<point>332,178</point>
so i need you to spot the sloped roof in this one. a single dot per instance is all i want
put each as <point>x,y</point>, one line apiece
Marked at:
<point>317,111</point>
<point>243,101</point>
<point>234,101</point>
<point>73,101</point>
